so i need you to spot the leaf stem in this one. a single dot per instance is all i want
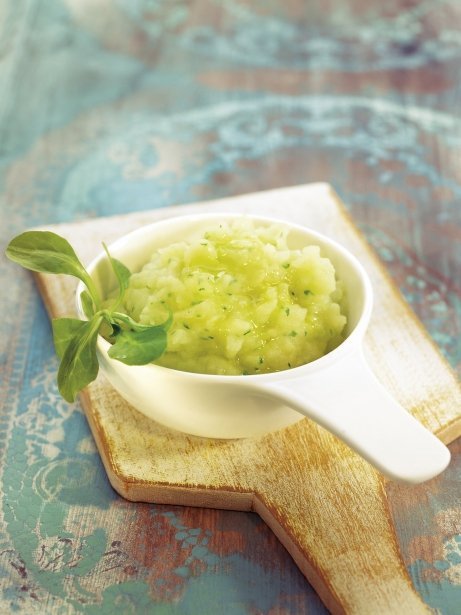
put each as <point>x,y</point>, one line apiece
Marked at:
<point>91,286</point>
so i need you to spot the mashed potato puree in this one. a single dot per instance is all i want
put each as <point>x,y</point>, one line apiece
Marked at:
<point>242,301</point>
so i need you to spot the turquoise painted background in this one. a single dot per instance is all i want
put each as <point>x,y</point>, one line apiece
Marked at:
<point>111,106</point>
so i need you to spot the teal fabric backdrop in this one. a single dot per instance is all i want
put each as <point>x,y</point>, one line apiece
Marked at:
<point>111,106</point>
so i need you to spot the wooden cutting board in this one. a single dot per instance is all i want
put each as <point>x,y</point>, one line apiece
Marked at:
<point>326,505</point>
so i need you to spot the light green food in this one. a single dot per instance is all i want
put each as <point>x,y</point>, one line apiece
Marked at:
<point>242,301</point>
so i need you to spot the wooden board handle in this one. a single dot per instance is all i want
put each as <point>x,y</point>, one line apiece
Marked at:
<point>350,558</point>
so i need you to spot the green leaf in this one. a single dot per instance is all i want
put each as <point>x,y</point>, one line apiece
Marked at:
<point>75,340</point>
<point>122,273</point>
<point>47,252</point>
<point>79,365</point>
<point>139,347</point>
<point>64,330</point>
<point>137,326</point>
<point>126,320</point>
<point>108,329</point>
<point>87,304</point>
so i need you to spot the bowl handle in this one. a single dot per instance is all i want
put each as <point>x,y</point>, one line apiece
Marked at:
<point>349,401</point>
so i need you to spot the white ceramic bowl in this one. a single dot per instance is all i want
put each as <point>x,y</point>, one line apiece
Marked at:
<point>338,390</point>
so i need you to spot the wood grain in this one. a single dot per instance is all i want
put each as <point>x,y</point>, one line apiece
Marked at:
<point>326,505</point>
